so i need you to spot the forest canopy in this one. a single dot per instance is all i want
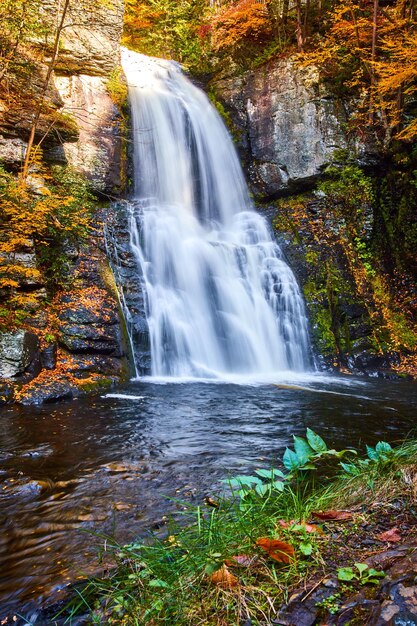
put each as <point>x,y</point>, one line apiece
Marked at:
<point>366,49</point>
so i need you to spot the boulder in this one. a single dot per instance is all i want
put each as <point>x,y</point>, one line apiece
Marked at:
<point>49,357</point>
<point>18,351</point>
<point>54,391</point>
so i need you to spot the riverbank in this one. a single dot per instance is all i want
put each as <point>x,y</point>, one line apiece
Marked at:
<point>286,548</point>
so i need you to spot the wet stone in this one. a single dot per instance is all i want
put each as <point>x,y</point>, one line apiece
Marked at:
<point>302,609</point>
<point>55,391</point>
<point>6,393</point>
<point>49,356</point>
<point>400,608</point>
<point>17,351</point>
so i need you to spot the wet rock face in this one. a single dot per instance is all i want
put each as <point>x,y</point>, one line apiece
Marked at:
<point>89,326</point>
<point>97,152</point>
<point>287,122</point>
<point>85,349</point>
<point>127,275</point>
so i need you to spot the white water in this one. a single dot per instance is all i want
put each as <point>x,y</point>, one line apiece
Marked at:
<point>221,300</point>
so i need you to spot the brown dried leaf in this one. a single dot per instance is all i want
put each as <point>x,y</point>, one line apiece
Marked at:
<point>210,502</point>
<point>223,578</point>
<point>278,550</point>
<point>392,536</point>
<point>332,515</point>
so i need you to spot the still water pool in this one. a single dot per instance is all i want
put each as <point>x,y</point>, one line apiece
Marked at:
<point>109,464</point>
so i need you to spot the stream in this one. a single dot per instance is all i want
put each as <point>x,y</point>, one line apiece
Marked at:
<point>109,465</point>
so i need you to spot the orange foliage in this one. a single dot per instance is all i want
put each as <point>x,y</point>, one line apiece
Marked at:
<point>377,58</point>
<point>247,19</point>
<point>278,550</point>
<point>139,17</point>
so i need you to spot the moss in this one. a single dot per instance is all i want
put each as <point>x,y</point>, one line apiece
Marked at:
<point>111,287</point>
<point>117,87</point>
<point>95,384</point>
<point>224,114</point>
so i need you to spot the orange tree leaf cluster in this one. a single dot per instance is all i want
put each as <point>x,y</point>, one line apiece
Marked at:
<point>40,220</point>
<point>240,21</point>
<point>371,51</point>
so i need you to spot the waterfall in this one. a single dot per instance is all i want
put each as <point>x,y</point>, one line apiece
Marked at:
<point>220,298</point>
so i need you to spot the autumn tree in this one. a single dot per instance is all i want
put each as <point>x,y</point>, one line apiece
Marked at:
<point>369,51</point>
<point>169,29</point>
<point>47,221</point>
<point>20,20</point>
<point>242,21</point>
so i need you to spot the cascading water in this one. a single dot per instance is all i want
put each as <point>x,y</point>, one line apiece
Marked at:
<point>220,299</point>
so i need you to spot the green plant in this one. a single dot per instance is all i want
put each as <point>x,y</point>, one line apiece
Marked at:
<point>378,459</point>
<point>331,603</point>
<point>308,452</point>
<point>361,573</point>
<point>213,565</point>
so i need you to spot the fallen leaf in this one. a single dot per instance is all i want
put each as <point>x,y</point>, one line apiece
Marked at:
<point>210,502</point>
<point>392,535</point>
<point>223,578</point>
<point>332,515</point>
<point>309,528</point>
<point>278,550</point>
<point>240,560</point>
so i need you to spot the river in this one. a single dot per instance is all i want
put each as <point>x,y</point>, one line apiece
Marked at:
<point>71,473</point>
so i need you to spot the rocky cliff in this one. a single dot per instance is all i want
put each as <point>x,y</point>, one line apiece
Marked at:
<point>80,124</point>
<point>287,125</point>
<point>70,339</point>
<point>340,223</point>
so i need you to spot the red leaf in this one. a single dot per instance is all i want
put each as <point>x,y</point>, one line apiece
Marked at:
<point>332,515</point>
<point>240,560</point>
<point>392,535</point>
<point>278,550</point>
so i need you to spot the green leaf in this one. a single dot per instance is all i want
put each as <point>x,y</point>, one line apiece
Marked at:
<point>306,548</point>
<point>262,489</point>
<point>372,453</point>
<point>158,583</point>
<point>383,447</point>
<point>279,485</point>
<point>269,474</point>
<point>238,481</point>
<point>345,573</point>
<point>315,441</point>
<point>302,449</point>
<point>212,567</point>
<point>361,567</point>
<point>375,573</point>
<point>349,468</point>
<point>290,460</point>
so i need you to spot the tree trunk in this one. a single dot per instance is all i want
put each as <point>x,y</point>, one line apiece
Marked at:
<point>373,58</point>
<point>55,52</point>
<point>299,28</point>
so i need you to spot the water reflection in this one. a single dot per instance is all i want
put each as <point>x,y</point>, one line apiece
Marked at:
<point>108,464</point>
